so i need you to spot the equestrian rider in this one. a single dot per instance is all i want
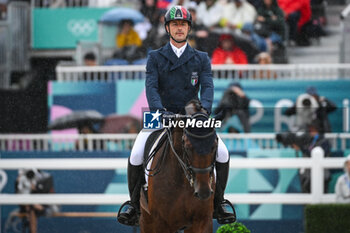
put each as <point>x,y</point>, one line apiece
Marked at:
<point>174,75</point>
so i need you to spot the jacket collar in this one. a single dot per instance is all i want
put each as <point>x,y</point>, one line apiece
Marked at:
<point>168,53</point>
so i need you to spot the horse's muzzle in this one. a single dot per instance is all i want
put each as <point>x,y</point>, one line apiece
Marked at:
<point>204,193</point>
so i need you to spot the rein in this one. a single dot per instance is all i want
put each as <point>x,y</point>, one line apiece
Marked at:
<point>158,166</point>
<point>183,165</point>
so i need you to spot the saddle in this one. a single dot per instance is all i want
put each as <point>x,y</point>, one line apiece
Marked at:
<point>152,146</point>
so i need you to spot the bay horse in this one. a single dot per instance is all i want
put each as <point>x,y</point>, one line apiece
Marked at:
<point>180,191</point>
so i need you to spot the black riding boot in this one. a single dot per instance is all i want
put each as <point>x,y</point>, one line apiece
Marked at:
<point>131,215</point>
<point>220,213</point>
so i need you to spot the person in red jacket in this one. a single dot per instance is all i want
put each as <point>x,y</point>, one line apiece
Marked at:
<point>227,52</point>
<point>297,14</point>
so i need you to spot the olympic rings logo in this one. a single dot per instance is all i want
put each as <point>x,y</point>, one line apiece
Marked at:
<point>81,27</point>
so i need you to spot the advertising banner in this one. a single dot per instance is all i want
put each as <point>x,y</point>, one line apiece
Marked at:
<point>62,28</point>
<point>268,99</point>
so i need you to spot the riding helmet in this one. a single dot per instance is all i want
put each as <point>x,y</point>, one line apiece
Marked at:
<point>178,13</point>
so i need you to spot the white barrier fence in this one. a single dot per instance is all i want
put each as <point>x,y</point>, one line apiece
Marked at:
<point>317,163</point>
<point>276,71</point>
<point>123,142</point>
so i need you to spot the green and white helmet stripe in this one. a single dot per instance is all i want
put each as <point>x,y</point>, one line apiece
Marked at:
<point>178,13</point>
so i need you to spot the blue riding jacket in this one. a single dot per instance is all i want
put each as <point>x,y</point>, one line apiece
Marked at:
<point>171,81</point>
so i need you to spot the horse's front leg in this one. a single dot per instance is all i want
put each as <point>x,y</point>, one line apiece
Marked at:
<point>204,225</point>
<point>151,224</point>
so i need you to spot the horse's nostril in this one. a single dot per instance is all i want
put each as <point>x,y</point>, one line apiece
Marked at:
<point>196,194</point>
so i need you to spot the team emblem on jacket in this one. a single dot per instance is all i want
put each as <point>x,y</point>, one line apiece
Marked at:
<point>194,78</point>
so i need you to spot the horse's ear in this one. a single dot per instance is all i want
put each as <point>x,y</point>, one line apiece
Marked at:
<point>194,106</point>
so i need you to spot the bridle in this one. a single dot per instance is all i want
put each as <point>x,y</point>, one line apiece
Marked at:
<point>189,170</point>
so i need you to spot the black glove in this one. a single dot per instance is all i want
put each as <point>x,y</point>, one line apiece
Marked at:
<point>166,115</point>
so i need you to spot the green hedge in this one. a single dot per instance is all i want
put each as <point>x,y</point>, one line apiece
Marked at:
<point>327,218</point>
<point>235,227</point>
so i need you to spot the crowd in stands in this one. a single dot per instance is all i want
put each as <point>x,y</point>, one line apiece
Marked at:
<point>230,31</point>
<point>253,26</point>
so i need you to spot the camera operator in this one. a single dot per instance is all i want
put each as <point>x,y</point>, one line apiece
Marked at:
<point>305,143</point>
<point>325,107</point>
<point>34,181</point>
<point>234,102</point>
<point>305,110</point>
<point>310,107</point>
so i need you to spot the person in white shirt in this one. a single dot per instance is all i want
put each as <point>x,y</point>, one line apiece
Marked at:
<point>237,13</point>
<point>184,3</point>
<point>209,13</point>
<point>342,187</point>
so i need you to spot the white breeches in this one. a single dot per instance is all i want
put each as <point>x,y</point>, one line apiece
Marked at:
<point>136,157</point>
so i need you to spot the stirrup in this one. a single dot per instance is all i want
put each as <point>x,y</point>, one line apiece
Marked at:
<point>227,219</point>
<point>132,220</point>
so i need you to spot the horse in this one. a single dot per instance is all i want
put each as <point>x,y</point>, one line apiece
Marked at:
<point>181,181</point>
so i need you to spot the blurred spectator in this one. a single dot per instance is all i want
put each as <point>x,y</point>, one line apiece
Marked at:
<point>260,42</point>
<point>87,128</point>
<point>161,37</point>
<point>255,3</point>
<point>232,129</point>
<point>184,3</point>
<point>34,181</point>
<point>227,52</point>
<point>127,36</point>
<point>306,143</point>
<point>237,13</point>
<point>318,9</point>
<point>152,14</point>
<point>132,127</point>
<point>90,59</point>
<point>105,3</point>
<point>297,14</point>
<point>264,58</point>
<point>3,9</point>
<point>270,20</point>
<point>163,4</point>
<point>234,102</point>
<point>209,13</point>
<point>342,187</point>
<point>150,11</point>
<point>129,43</point>
<point>199,36</point>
